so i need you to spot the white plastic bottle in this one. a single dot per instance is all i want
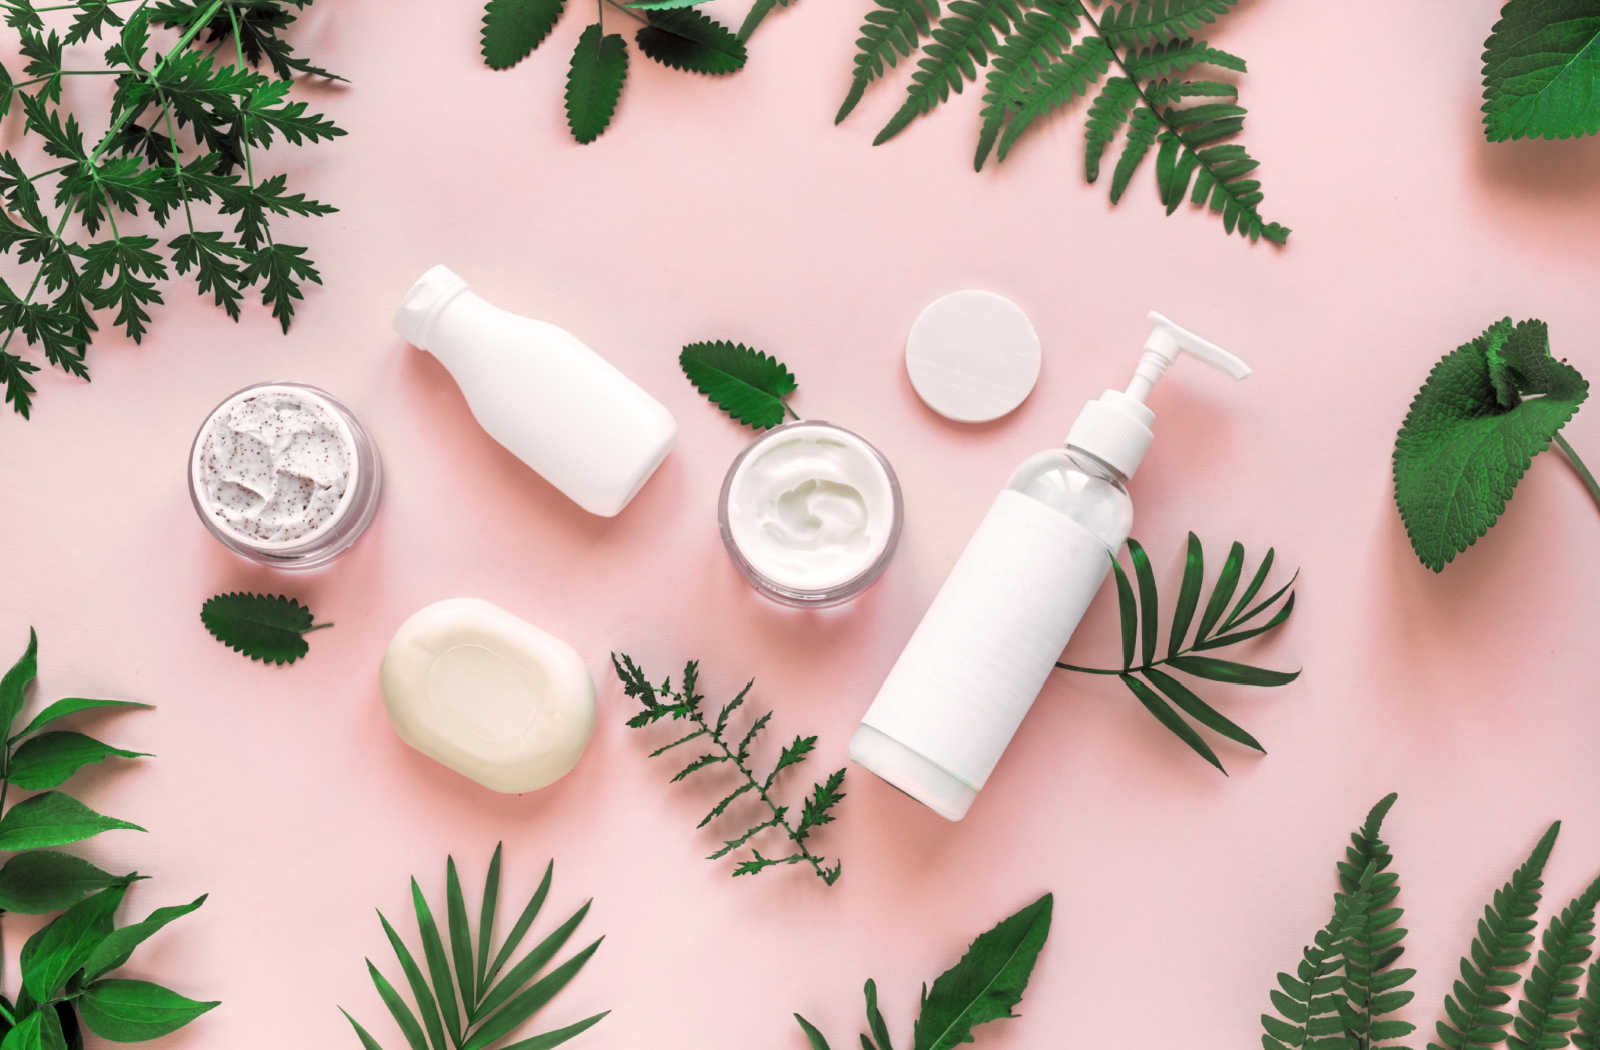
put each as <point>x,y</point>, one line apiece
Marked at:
<point>982,652</point>
<point>554,403</point>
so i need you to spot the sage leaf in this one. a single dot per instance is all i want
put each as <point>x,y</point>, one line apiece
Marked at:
<point>53,819</point>
<point>988,982</point>
<point>14,684</point>
<point>118,945</point>
<point>49,760</point>
<point>46,882</point>
<point>267,628</point>
<point>60,949</point>
<point>135,1011</point>
<point>746,383</point>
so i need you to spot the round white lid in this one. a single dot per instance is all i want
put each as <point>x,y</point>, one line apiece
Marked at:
<point>973,356</point>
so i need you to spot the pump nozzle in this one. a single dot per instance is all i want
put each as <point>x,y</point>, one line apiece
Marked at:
<point>1115,427</point>
<point>1166,341</point>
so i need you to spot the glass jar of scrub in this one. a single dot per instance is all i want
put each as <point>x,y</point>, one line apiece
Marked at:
<point>283,474</point>
<point>810,513</point>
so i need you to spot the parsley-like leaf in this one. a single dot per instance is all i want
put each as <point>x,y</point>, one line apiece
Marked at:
<point>695,43</point>
<point>744,382</point>
<point>594,82</point>
<point>1486,410</point>
<point>513,28</point>
<point>268,628</point>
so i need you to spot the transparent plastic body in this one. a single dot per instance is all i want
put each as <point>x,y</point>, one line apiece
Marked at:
<point>1085,489</point>
<point>975,664</point>
<point>356,508</point>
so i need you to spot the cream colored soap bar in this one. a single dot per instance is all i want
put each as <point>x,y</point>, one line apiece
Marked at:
<point>488,694</point>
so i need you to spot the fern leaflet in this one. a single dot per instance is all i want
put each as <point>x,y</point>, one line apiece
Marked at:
<point>1152,21</point>
<point>1587,1037</point>
<point>1504,933</point>
<point>685,704</point>
<point>1308,1003</point>
<point>1550,998</point>
<point>891,32</point>
<point>962,41</point>
<point>1372,986</point>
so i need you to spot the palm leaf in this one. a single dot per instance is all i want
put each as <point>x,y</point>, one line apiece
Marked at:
<point>494,1006</point>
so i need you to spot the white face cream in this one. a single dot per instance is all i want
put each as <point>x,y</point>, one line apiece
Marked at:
<point>810,513</point>
<point>282,473</point>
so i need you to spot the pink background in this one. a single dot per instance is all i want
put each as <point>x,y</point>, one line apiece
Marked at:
<point>735,209</point>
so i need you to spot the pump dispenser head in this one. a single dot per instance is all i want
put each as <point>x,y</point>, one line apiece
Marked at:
<point>1115,427</point>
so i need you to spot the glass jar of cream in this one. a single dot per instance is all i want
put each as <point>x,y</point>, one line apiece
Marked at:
<point>810,513</point>
<point>283,474</point>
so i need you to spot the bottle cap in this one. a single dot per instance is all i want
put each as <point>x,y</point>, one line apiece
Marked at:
<point>1115,427</point>
<point>972,356</point>
<point>429,295</point>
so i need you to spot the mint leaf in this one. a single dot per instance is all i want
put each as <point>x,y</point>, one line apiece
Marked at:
<point>1461,451</point>
<point>744,382</point>
<point>594,82</point>
<point>688,40</point>
<point>49,759</point>
<point>1541,71</point>
<point>135,1011</point>
<point>53,819</point>
<point>987,983</point>
<point>513,28</point>
<point>268,628</point>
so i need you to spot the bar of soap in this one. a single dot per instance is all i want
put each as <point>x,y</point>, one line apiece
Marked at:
<point>488,694</point>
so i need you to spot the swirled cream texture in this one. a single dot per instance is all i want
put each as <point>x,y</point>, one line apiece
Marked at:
<point>811,507</point>
<point>274,466</point>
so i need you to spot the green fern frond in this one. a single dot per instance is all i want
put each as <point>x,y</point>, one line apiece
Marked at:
<point>1488,969</point>
<point>1145,674</point>
<point>1372,986</point>
<point>1107,113</point>
<point>1587,1037</point>
<point>1041,37</point>
<point>1179,56</point>
<point>1308,1002</point>
<point>957,46</point>
<point>1545,1016</point>
<point>892,30</point>
<point>1136,144</point>
<point>474,1007</point>
<point>1138,22</point>
<point>1055,86</point>
<point>662,702</point>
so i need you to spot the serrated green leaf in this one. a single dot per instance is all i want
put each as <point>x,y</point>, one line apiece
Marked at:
<point>1541,71</point>
<point>135,1011</point>
<point>693,42</point>
<point>988,982</point>
<point>746,383</point>
<point>267,628</point>
<point>513,28</point>
<point>53,819</point>
<point>50,759</point>
<point>1460,454</point>
<point>46,882</point>
<point>594,82</point>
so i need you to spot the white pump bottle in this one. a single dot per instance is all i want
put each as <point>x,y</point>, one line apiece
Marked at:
<point>978,659</point>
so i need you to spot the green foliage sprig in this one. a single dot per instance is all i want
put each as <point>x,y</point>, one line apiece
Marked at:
<point>1487,408</point>
<point>1218,628</point>
<point>270,628</point>
<point>1045,55</point>
<point>685,704</point>
<point>670,32</point>
<point>475,1007</point>
<point>1347,987</point>
<point>183,137</point>
<point>1541,71</point>
<point>985,985</point>
<point>748,384</point>
<point>67,967</point>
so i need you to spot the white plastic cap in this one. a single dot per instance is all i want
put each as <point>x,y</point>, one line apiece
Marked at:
<point>1115,427</point>
<point>430,294</point>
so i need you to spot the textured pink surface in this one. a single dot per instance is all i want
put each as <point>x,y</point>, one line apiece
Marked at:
<point>736,210</point>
